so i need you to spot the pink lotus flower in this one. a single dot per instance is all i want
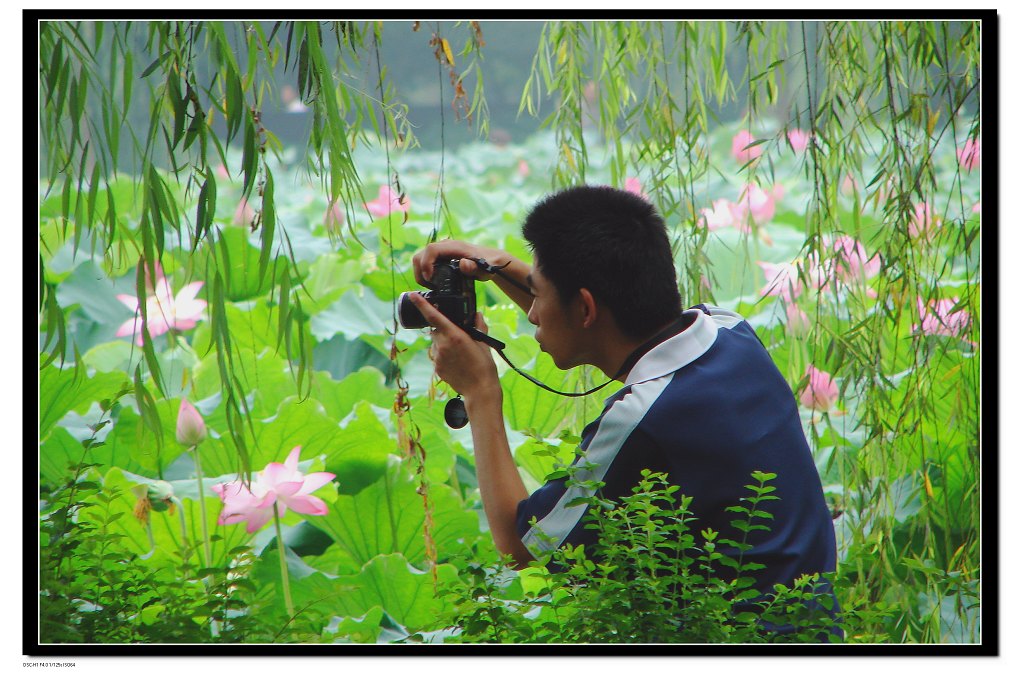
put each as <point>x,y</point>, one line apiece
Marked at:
<point>924,221</point>
<point>523,170</point>
<point>940,319</point>
<point>388,202</point>
<point>798,139</point>
<point>279,484</point>
<point>222,172</point>
<point>976,208</point>
<point>849,185</point>
<point>970,154</point>
<point>164,311</point>
<point>852,262</point>
<point>781,279</point>
<point>797,320</point>
<point>243,214</point>
<point>334,217</point>
<point>740,151</point>
<point>821,392</point>
<point>818,272</point>
<point>190,425</point>
<point>759,203</point>
<point>633,185</point>
<point>723,213</point>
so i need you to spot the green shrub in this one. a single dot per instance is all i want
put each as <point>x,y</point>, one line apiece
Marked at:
<point>652,578</point>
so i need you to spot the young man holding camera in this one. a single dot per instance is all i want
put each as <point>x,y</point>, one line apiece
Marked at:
<point>701,399</point>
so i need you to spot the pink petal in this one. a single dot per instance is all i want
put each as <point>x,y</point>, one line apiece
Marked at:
<point>130,301</point>
<point>292,458</point>
<point>276,473</point>
<point>128,327</point>
<point>740,150</point>
<point>308,505</point>
<point>633,185</point>
<point>314,481</point>
<point>257,519</point>
<point>267,501</point>
<point>189,292</point>
<point>164,294</point>
<point>798,139</point>
<point>156,327</point>
<point>190,425</point>
<point>287,489</point>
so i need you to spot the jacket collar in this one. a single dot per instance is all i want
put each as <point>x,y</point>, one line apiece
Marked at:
<point>676,352</point>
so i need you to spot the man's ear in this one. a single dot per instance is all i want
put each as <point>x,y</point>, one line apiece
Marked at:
<point>589,308</point>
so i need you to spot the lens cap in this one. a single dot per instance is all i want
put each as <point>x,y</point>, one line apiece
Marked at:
<point>455,413</point>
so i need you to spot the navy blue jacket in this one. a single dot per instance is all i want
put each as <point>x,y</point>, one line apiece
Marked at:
<point>707,406</point>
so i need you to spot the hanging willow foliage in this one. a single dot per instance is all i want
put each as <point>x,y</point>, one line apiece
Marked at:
<point>877,99</point>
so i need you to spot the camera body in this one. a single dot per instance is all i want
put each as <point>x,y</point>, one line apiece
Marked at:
<point>452,293</point>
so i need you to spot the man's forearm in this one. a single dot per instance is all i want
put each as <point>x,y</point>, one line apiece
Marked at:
<point>499,481</point>
<point>518,271</point>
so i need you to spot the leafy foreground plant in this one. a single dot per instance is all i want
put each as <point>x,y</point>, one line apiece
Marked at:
<point>96,589</point>
<point>651,579</point>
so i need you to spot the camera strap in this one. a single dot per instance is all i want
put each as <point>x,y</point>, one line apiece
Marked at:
<point>498,347</point>
<point>671,330</point>
<point>492,269</point>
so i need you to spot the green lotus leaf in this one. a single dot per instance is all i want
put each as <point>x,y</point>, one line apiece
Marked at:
<point>64,389</point>
<point>359,313</point>
<point>358,453</point>
<point>130,437</point>
<point>328,277</point>
<point>389,517</point>
<point>389,582</point>
<point>339,398</point>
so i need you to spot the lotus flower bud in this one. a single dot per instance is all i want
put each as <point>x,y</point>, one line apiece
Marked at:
<point>190,425</point>
<point>740,151</point>
<point>797,320</point>
<point>821,392</point>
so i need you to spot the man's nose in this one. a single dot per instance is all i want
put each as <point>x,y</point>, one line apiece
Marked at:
<point>532,314</point>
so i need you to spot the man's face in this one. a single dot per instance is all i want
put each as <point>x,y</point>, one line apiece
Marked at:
<point>557,324</point>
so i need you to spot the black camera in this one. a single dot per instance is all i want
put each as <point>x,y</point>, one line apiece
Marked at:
<point>453,294</point>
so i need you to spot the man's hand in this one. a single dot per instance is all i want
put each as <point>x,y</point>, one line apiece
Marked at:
<point>461,361</point>
<point>467,366</point>
<point>425,260</point>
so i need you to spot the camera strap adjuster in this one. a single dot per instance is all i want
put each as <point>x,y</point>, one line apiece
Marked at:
<point>492,269</point>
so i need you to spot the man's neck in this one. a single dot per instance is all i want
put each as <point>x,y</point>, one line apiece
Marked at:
<point>627,352</point>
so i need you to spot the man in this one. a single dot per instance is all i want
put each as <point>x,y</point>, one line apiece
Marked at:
<point>701,399</point>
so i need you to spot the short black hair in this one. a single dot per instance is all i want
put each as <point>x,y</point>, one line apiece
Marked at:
<point>613,243</point>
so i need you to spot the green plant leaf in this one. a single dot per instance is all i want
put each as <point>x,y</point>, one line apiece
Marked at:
<point>404,592</point>
<point>63,390</point>
<point>389,517</point>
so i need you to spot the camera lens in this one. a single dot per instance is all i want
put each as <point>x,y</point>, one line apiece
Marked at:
<point>409,315</point>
